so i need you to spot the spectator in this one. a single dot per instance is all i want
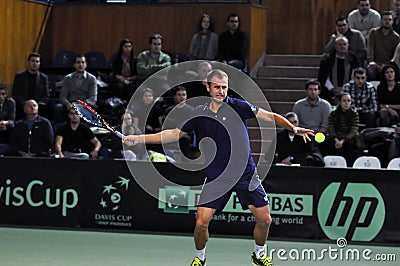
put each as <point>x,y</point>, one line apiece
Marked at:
<point>291,148</point>
<point>7,118</point>
<point>364,18</point>
<point>121,150</point>
<point>389,97</point>
<point>33,136</point>
<point>364,97</point>
<point>72,139</point>
<point>312,111</point>
<point>232,44</point>
<point>396,15</point>
<point>335,69</point>
<point>152,60</point>
<point>343,130</point>
<point>197,87</point>
<point>204,44</point>
<point>176,115</point>
<point>381,46</point>
<point>31,84</point>
<point>79,85</point>
<point>148,117</point>
<point>124,70</point>
<point>395,62</point>
<point>356,39</point>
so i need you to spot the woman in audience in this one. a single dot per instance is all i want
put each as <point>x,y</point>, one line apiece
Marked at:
<point>343,130</point>
<point>124,70</point>
<point>389,97</point>
<point>395,62</point>
<point>204,44</point>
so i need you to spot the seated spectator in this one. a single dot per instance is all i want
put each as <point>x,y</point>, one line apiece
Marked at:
<point>291,148</point>
<point>381,46</point>
<point>148,117</point>
<point>120,149</point>
<point>177,114</point>
<point>33,136</point>
<point>31,84</point>
<point>343,130</point>
<point>395,62</point>
<point>7,118</point>
<point>124,71</point>
<point>335,69</point>
<point>364,97</point>
<point>232,44</point>
<point>394,146</point>
<point>79,85</point>
<point>312,111</point>
<point>389,97</point>
<point>396,15</point>
<point>364,18</point>
<point>204,44</point>
<point>197,87</point>
<point>72,139</point>
<point>356,40</point>
<point>152,60</point>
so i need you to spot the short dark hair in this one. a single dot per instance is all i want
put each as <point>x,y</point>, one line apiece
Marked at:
<point>313,82</point>
<point>215,72</point>
<point>341,18</point>
<point>343,94</point>
<point>79,56</point>
<point>360,70</point>
<point>34,54</point>
<point>387,13</point>
<point>232,15</point>
<point>180,88</point>
<point>290,115</point>
<point>154,37</point>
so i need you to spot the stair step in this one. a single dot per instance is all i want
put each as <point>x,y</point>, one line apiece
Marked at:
<point>291,95</point>
<point>288,71</point>
<point>280,83</point>
<point>281,107</point>
<point>292,60</point>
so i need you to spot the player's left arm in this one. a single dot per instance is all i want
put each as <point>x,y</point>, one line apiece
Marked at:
<point>283,122</point>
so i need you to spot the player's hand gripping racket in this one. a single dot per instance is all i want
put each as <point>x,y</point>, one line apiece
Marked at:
<point>89,115</point>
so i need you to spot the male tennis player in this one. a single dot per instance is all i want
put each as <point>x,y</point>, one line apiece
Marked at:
<point>228,167</point>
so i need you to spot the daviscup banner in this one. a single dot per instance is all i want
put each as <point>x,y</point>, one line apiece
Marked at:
<point>306,203</point>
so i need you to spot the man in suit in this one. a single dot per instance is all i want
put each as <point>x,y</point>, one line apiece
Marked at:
<point>31,84</point>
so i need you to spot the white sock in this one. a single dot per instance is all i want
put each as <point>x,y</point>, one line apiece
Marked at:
<point>259,251</point>
<point>201,254</point>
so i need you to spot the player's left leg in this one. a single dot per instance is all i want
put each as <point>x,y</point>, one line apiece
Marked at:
<point>261,229</point>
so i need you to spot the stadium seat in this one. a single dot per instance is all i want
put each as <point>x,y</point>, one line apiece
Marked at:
<point>335,161</point>
<point>95,59</point>
<point>370,162</point>
<point>394,164</point>
<point>64,59</point>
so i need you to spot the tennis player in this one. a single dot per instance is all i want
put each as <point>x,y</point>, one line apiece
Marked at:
<point>228,167</point>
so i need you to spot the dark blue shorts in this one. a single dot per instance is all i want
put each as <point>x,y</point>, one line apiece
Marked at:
<point>248,193</point>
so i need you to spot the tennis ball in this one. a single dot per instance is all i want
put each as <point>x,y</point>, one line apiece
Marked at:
<point>319,137</point>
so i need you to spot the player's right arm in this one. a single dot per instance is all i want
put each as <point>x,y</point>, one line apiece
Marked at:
<point>165,136</point>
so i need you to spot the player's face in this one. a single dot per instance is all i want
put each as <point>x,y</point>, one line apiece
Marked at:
<point>218,88</point>
<point>34,64</point>
<point>345,102</point>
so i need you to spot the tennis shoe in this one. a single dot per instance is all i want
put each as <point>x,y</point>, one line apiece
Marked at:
<point>263,261</point>
<point>198,262</point>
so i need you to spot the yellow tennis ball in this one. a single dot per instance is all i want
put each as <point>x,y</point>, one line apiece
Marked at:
<point>319,137</point>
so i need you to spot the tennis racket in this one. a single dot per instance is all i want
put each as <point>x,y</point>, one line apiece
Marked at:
<point>89,115</point>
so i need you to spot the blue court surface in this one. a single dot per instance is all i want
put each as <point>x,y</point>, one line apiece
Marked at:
<point>20,246</point>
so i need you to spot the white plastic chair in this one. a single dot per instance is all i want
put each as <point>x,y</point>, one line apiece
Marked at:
<point>369,162</point>
<point>335,161</point>
<point>394,164</point>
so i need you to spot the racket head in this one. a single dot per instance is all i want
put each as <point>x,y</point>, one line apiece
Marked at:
<point>88,115</point>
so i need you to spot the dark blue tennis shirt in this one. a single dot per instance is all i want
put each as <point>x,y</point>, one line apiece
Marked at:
<point>227,129</point>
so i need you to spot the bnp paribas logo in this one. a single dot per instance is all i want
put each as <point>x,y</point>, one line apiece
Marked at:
<point>175,199</point>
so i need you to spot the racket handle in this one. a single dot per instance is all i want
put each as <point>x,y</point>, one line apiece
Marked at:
<point>119,134</point>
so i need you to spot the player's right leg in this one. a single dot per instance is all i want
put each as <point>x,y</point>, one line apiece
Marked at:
<point>201,235</point>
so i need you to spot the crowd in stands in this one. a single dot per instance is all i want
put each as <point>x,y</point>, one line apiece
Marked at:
<point>356,92</point>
